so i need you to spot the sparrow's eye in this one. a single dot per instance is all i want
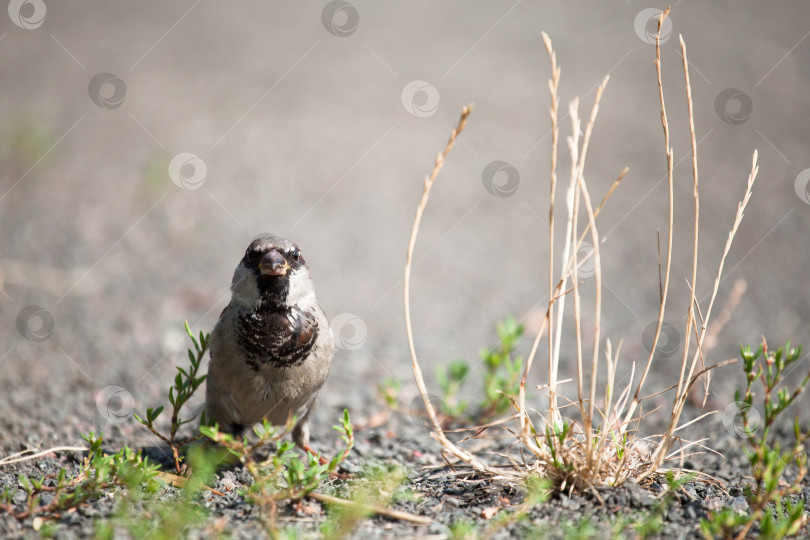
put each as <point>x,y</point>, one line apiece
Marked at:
<point>296,255</point>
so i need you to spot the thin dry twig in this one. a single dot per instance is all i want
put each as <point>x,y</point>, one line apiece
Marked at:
<point>20,457</point>
<point>596,261</point>
<point>417,370</point>
<point>690,315</point>
<point>671,227</point>
<point>682,395</point>
<point>553,341</point>
<point>734,298</point>
<point>375,508</point>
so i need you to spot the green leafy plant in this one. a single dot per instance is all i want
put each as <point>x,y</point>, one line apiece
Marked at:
<point>450,379</point>
<point>538,491</point>
<point>464,530</point>
<point>186,383</point>
<point>283,475</point>
<point>768,497</point>
<point>502,375</point>
<point>26,142</point>
<point>98,471</point>
<point>389,390</point>
<point>175,513</point>
<point>371,489</point>
<point>584,529</point>
<point>502,371</point>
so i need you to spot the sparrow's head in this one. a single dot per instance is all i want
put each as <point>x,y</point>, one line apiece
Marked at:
<point>273,271</point>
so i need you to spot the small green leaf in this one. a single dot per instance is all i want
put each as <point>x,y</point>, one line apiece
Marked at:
<point>25,483</point>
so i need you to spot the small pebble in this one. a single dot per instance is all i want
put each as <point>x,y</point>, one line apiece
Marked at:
<point>739,504</point>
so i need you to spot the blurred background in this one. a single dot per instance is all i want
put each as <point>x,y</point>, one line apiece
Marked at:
<point>145,144</point>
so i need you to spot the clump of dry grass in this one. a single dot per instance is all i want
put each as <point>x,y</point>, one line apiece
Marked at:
<point>598,444</point>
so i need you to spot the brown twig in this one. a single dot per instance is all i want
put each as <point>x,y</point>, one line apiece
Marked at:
<point>20,457</point>
<point>375,508</point>
<point>417,370</point>
<point>553,342</point>
<point>671,227</point>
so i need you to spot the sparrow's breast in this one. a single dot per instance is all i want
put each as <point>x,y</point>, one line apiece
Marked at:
<point>277,337</point>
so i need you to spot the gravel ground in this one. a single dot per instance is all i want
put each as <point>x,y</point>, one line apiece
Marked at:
<point>449,496</point>
<point>318,121</point>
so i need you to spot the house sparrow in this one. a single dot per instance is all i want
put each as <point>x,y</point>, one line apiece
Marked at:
<point>271,349</point>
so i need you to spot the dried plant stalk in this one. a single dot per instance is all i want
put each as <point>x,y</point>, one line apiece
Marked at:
<point>670,181</point>
<point>438,433</point>
<point>553,340</point>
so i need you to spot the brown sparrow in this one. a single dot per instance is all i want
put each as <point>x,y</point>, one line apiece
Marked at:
<point>271,349</point>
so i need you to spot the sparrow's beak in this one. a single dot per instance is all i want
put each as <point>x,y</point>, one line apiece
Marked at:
<point>273,264</point>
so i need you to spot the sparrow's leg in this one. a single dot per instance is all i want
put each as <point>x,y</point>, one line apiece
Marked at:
<point>300,436</point>
<point>300,433</point>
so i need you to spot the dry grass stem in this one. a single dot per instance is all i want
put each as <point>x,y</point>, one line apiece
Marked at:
<point>28,455</point>
<point>670,181</point>
<point>553,341</point>
<point>417,370</point>
<point>690,315</point>
<point>374,508</point>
